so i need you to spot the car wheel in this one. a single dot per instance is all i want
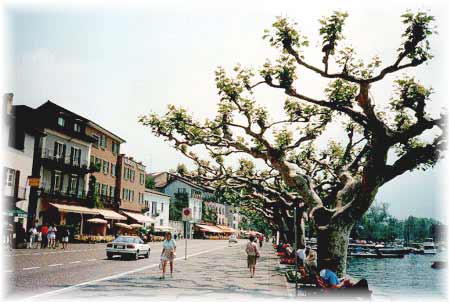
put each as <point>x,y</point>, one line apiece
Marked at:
<point>147,255</point>
<point>109,256</point>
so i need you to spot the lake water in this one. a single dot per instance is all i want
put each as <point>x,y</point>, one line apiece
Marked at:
<point>410,277</point>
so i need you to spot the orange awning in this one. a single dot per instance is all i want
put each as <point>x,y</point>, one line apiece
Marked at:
<point>210,228</point>
<point>110,214</point>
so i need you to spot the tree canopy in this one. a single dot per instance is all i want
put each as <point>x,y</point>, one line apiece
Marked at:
<point>333,186</point>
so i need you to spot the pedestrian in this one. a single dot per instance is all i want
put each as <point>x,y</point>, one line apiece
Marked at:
<point>39,238</point>
<point>32,236</point>
<point>260,239</point>
<point>168,254</point>
<point>252,254</point>
<point>65,238</point>
<point>52,236</point>
<point>44,231</point>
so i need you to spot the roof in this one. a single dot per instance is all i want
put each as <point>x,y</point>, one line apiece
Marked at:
<point>171,177</point>
<point>151,191</point>
<point>98,127</point>
<point>110,214</point>
<point>139,217</point>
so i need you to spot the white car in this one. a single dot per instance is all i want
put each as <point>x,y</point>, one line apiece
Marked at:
<point>129,246</point>
<point>232,239</point>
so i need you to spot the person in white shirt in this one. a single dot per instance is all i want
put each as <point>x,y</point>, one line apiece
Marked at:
<point>32,236</point>
<point>252,255</point>
<point>168,254</point>
<point>52,236</point>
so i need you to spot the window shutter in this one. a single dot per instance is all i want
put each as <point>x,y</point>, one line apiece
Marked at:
<point>72,150</point>
<point>16,183</point>
<point>55,149</point>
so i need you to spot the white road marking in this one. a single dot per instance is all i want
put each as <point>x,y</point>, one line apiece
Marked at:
<point>45,253</point>
<point>90,260</point>
<point>30,268</point>
<point>65,289</point>
<point>74,262</point>
<point>8,271</point>
<point>57,264</point>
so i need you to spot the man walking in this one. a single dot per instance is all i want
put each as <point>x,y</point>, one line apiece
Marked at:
<point>44,231</point>
<point>32,233</point>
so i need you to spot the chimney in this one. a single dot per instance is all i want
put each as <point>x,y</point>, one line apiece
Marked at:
<point>8,103</point>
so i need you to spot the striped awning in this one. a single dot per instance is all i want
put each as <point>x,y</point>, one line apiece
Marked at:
<point>110,214</point>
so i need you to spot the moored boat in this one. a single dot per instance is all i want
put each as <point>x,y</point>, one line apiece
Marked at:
<point>376,256</point>
<point>428,247</point>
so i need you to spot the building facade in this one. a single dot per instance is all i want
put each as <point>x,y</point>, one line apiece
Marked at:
<point>105,151</point>
<point>158,205</point>
<point>19,144</point>
<point>130,184</point>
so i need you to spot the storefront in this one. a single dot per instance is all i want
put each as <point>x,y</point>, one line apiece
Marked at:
<point>203,231</point>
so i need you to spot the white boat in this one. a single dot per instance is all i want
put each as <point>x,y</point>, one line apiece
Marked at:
<point>428,247</point>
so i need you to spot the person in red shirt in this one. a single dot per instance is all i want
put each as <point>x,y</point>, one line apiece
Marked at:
<point>44,231</point>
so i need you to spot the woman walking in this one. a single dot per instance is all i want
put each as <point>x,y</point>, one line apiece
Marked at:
<point>52,236</point>
<point>252,254</point>
<point>168,254</point>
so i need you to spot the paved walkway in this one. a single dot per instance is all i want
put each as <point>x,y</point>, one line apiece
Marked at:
<point>220,274</point>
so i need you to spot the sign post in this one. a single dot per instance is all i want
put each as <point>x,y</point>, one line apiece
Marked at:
<point>296,247</point>
<point>186,217</point>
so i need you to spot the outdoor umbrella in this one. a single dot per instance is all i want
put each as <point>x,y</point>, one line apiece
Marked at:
<point>123,225</point>
<point>135,225</point>
<point>97,220</point>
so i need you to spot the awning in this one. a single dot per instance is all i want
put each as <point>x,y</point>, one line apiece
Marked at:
<point>163,228</point>
<point>139,217</point>
<point>110,214</point>
<point>75,209</point>
<point>123,225</point>
<point>210,228</point>
<point>226,229</point>
<point>16,212</point>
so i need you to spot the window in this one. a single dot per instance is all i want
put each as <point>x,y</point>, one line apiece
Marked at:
<point>61,121</point>
<point>161,222</point>
<point>154,210</point>
<point>73,184</point>
<point>146,203</point>
<point>75,155</point>
<point>162,207</point>
<point>115,147</point>
<point>132,195</point>
<point>105,167</point>
<point>125,173</point>
<point>113,170</point>
<point>142,179</point>
<point>10,177</point>
<point>97,140</point>
<point>132,175</point>
<point>103,141</point>
<point>111,191</point>
<point>181,190</point>
<point>104,190</point>
<point>59,150</point>
<point>57,181</point>
<point>123,193</point>
<point>77,127</point>
<point>92,160</point>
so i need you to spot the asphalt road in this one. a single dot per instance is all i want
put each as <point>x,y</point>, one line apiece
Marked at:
<point>212,268</point>
<point>36,271</point>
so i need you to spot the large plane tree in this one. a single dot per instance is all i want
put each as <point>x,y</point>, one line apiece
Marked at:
<point>282,164</point>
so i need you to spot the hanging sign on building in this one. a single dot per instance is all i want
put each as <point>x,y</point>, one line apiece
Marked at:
<point>34,181</point>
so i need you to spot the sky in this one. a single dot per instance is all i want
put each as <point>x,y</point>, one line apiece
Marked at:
<point>113,63</point>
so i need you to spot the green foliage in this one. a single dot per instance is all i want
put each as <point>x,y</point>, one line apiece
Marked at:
<point>149,182</point>
<point>209,213</point>
<point>419,28</point>
<point>284,35</point>
<point>331,31</point>
<point>252,220</point>
<point>180,201</point>
<point>342,92</point>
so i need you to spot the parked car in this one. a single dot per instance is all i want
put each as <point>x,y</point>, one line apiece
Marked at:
<point>232,239</point>
<point>127,246</point>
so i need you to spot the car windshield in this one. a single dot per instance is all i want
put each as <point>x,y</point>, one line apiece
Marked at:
<point>124,240</point>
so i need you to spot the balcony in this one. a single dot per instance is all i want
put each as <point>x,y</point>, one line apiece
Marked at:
<point>16,193</point>
<point>65,163</point>
<point>108,201</point>
<point>58,194</point>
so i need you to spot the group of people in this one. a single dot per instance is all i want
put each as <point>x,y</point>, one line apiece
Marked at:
<point>47,236</point>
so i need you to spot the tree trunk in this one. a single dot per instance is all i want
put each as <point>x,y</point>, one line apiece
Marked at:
<point>332,244</point>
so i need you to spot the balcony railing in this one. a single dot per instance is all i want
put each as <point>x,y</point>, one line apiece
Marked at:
<point>64,159</point>
<point>63,193</point>
<point>18,192</point>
